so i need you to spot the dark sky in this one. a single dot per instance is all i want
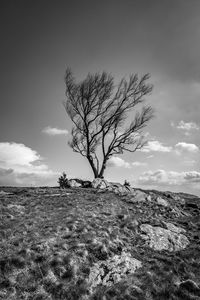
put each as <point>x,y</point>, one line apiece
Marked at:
<point>39,39</point>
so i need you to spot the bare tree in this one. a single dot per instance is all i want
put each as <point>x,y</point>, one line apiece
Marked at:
<point>99,110</point>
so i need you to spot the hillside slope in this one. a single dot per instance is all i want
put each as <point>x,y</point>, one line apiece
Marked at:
<point>90,244</point>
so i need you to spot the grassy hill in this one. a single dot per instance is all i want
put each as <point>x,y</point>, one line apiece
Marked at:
<point>85,244</point>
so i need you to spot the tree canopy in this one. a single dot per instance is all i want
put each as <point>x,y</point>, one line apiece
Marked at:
<point>99,109</point>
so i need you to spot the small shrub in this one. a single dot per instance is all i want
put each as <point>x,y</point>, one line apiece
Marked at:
<point>126,183</point>
<point>63,181</point>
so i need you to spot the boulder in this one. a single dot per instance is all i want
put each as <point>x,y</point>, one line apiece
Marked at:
<point>175,197</point>
<point>138,196</point>
<point>169,239</point>
<point>119,189</point>
<point>112,270</point>
<point>86,184</point>
<point>162,202</point>
<point>99,183</point>
<point>73,183</point>
<point>174,228</point>
<point>17,208</point>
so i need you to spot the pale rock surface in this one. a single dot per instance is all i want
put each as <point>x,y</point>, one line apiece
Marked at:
<point>73,183</point>
<point>120,189</point>
<point>162,202</point>
<point>3,193</point>
<point>17,208</point>
<point>99,183</point>
<point>140,196</point>
<point>169,239</point>
<point>175,197</point>
<point>174,228</point>
<point>113,270</point>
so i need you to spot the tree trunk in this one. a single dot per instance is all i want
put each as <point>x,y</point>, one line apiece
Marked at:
<point>94,169</point>
<point>102,168</point>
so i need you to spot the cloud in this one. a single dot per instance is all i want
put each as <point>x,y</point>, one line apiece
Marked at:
<point>150,156</point>
<point>138,164</point>
<point>17,155</point>
<point>21,165</point>
<point>156,146</point>
<point>189,162</point>
<point>5,172</point>
<point>192,176</point>
<point>186,147</point>
<point>169,178</point>
<point>116,161</point>
<point>54,131</point>
<point>186,127</point>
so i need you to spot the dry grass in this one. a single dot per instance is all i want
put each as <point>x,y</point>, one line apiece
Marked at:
<point>50,239</point>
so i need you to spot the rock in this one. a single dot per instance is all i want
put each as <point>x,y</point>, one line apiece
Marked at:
<point>175,197</point>
<point>3,193</point>
<point>139,196</point>
<point>179,213</point>
<point>113,270</point>
<point>86,184</point>
<point>174,228</point>
<point>120,189</point>
<point>169,239</point>
<point>99,183</point>
<point>17,208</point>
<point>162,202</point>
<point>73,183</point>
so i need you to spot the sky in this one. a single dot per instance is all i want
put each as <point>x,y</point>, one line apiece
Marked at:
<point>40,39</point>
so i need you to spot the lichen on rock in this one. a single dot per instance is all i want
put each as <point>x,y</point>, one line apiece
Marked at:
<point>73,183</point>
<point>169,239</point>
<point>162,202</point>
<point>99,183</point>
<point>113,270</point>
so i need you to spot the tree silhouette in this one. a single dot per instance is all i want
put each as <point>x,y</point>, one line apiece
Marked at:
<point>99,109</point>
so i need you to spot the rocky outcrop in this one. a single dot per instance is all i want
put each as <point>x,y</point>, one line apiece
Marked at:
<point>120,189</point>
<point>99,183</point>
<point>74,183</point>
<point>113,270</point>
<point>170,239</point>
<point>139,196</point>
<point>162,202</point>
<point>17,208</point>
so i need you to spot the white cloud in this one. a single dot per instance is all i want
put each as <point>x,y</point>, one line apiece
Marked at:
<point>138,164</point>
<point>156,146</point>
<point>168,178</point>
<point>17,154</point>
<point>54,131</point>
<point>186,147</point>
<point>186,127</point>
<point>192,176</point>
<point>150,156</point>
<point>20,165</point>
<point>116,161</point>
